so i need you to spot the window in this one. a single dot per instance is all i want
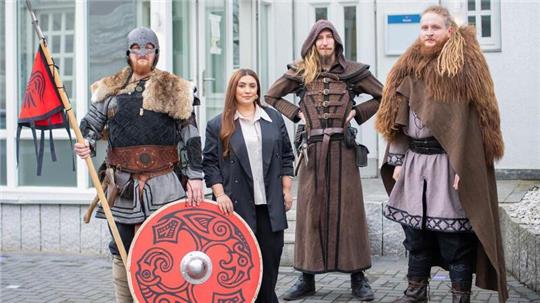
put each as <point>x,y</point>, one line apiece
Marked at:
<point>236,34</point>
<point>2,68</point>
<point>350,32</point>
<point>109,23</point>
<point>56,19</point>
<point>217,39</point>
<point>485,16</point>
<point>264,39</point>
<point>3,168</point>
<point>181,41</point>
<point>321,13</point>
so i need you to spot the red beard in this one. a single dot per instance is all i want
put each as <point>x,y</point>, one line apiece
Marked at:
<point>432,51</point>
<point>141,68</point>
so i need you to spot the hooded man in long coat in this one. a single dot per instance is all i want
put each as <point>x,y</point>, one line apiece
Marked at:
<point>331,229</point>
<point>440,116</point>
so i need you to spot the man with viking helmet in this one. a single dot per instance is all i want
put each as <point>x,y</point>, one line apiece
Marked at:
<point>440,116</point>
<point>331,228</point>
<point>147,115</point>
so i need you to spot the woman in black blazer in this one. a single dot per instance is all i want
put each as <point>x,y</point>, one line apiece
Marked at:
<point>247,161</point>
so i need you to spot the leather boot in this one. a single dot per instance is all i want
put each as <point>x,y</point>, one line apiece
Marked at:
<point>461,292</point>
<point>360,287</point>
<point>121,287</point>
<point>304,286</point>
<point>417,292</point>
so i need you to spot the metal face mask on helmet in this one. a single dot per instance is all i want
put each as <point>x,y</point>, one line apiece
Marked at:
<point>142,36</point>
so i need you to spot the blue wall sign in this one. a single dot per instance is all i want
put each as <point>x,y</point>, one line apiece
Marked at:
<point>401,19</point>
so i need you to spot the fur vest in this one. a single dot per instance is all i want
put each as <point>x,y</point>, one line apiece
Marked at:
<point>164,92</point>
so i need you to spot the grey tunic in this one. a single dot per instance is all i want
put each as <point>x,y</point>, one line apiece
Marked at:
<point>421,174</point>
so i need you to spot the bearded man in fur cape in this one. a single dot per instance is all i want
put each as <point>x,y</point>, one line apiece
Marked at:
<point>147,115</point>
<point>440,116</point>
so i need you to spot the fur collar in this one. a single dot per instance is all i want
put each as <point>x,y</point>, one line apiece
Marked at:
<point>164,92</point>
<point>469,81</point>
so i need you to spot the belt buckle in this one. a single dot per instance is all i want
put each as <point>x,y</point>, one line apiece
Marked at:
<point>145,158</point>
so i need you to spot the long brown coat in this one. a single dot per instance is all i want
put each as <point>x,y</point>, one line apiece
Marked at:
<point>464,118</point>
<point>331,228</point>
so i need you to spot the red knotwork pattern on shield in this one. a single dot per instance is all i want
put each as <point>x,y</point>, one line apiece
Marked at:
<point>176,231</point>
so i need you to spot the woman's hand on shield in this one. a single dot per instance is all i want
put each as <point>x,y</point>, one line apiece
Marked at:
<point>225,204</point>
<point>82,149</point>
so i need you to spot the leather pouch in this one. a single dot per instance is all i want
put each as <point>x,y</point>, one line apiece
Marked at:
<point>350,137</point>
<point>361,155</point>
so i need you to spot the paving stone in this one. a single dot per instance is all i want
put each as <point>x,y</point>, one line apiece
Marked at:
<point>59,278</point>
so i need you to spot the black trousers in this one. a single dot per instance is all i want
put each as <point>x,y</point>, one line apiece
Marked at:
<point>127,233</point>
<point>455,251</point>
<point>271,244</point>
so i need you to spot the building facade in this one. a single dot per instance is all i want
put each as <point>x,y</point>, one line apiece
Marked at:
<point>204,41</point>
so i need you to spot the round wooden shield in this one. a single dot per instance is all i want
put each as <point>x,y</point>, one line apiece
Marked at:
<point>195,255</point>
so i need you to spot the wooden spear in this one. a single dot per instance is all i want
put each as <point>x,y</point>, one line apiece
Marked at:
<point>80,139</point>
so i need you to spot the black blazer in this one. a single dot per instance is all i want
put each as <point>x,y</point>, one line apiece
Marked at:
<point>234,171</point>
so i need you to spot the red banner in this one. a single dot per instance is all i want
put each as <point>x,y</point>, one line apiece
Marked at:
<point>42,106</point>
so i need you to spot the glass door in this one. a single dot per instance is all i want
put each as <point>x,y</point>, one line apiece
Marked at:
<point>215,51</point>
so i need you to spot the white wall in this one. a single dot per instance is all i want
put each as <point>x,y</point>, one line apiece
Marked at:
<point>281,44</point>
<point>516,73</point>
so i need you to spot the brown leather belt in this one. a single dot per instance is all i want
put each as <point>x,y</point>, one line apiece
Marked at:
<point>143,158</point>
<point>327,134</point>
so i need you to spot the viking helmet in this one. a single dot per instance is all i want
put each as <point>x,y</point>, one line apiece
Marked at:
<point>142,36</point>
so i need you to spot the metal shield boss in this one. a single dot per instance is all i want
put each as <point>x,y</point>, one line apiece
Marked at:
<point>195,255</point>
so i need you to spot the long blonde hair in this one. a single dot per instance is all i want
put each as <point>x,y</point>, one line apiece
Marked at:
<point>309,67</point>
<point>451,59</point>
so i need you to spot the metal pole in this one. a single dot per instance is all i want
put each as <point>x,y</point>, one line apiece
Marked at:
<point>80,139</point>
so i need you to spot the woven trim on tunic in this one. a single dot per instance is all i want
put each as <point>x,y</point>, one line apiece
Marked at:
<point>432,223</point>
<point>395,159</point>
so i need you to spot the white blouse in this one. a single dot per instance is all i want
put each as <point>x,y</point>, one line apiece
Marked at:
<point>251,131</point>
